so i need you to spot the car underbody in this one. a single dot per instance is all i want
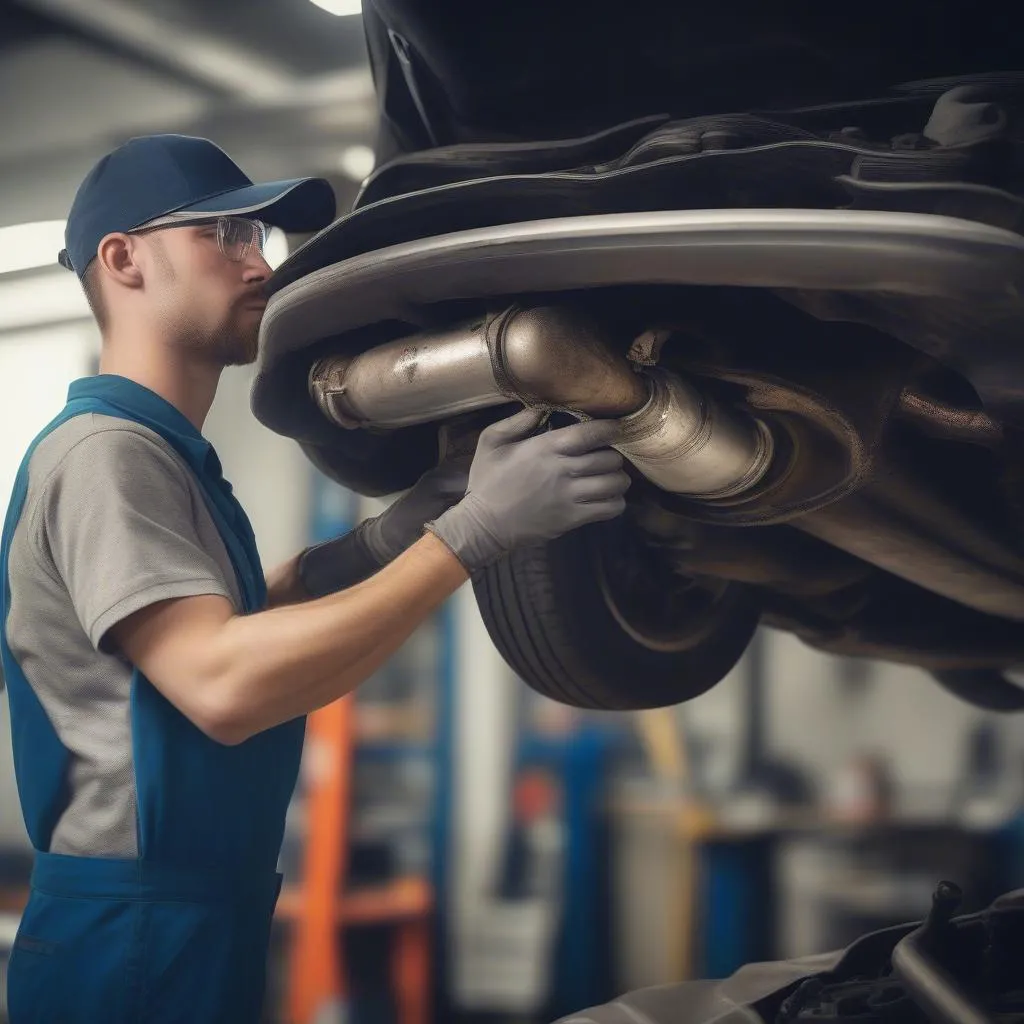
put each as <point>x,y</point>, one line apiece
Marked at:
<point>806,318</point>
<point>783,246</point>
<point>843,441</point>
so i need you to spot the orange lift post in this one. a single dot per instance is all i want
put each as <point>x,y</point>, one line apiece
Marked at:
<point>321,906</point>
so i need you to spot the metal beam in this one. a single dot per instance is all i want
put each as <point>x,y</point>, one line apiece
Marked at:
<point>235,72</point>
<point>215,64</point>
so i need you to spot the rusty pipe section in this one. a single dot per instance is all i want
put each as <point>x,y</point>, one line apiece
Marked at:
<point>553,358</point>
<point>949,422</point>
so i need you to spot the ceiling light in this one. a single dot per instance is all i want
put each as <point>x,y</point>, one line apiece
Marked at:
<point>342,8</point>
<point>356,162</point>
<point>28,246</point>
<point>52,297</point>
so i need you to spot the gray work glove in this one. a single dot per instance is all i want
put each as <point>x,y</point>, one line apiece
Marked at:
<point>355,556</point>
<point>400,525</point>
<point>524,490</point>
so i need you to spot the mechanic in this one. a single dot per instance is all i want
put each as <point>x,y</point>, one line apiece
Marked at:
<point>158,682</point>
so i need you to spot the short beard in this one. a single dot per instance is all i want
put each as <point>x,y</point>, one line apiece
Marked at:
<point>234,347</point>
<point>228,346</point>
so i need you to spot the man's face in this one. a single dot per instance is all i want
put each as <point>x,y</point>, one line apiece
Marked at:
<point>209,305</point>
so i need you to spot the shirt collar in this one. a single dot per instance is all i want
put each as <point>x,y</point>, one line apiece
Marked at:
<point>144,404</point>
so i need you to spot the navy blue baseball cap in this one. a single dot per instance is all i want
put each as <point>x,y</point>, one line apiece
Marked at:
<point>156,175</point>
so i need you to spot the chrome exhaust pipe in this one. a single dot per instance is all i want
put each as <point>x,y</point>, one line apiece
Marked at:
<point>552,358</point>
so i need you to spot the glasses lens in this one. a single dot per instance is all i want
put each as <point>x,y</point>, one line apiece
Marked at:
<point>235,237</point>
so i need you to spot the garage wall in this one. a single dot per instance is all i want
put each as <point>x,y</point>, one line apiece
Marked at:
<point>819,715</point>
<point>820,722</point>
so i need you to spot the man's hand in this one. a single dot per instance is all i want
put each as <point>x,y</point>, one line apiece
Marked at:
<point>400,525</point>
<point>525,489</point>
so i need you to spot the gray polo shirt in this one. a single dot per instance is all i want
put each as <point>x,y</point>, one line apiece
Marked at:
<point>113,521</point>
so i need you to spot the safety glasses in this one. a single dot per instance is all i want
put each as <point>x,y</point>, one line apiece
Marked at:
<point>235,235</point>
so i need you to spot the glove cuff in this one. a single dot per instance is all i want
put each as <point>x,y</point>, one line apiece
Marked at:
<point>338,563</point>
<point>463,531</point>
<point>371,534</point>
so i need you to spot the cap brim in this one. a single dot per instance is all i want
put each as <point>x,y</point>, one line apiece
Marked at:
<point>301,204</point>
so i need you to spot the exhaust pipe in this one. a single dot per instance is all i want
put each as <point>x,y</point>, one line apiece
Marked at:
<point>681,440</point>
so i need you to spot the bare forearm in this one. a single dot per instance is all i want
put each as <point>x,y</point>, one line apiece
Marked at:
<point>292,659</point>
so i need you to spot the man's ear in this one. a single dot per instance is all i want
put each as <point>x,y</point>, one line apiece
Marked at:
<point>116,256</point>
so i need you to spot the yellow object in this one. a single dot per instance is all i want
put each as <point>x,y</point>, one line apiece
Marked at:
<point>663,743</point>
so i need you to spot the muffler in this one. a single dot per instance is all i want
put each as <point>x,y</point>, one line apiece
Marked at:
<point>553,358</point>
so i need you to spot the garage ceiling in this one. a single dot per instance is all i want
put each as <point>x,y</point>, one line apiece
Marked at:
<point>282,85</point>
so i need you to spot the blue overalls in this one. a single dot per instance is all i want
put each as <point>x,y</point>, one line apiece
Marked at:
<point>181,933</point>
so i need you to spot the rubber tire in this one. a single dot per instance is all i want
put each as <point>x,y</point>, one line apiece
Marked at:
<point>546,614</point>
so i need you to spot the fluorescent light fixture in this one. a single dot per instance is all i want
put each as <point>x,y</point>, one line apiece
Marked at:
<point>356,162</point>
<point>342,8</point>
<point>32,245</point>
<point>44,298</point>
